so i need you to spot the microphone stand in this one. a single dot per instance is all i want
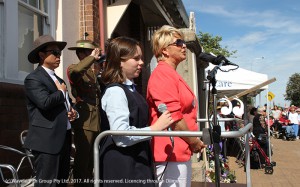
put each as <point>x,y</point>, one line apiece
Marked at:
<point>216,131</point>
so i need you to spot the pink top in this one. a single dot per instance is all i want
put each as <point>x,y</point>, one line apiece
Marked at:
<point>167,86</point>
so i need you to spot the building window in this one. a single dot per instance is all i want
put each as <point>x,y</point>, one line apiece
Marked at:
<point>39,4</point>
<point>32,23</point>
<point>22,21</point>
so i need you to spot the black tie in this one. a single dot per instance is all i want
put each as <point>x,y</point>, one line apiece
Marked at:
<point>133,87</point>
<point>61,81</point>
<point>58,78</point>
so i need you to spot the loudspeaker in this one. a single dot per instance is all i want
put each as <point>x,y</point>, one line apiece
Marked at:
<point>238,110</point>
<point>226,110</point>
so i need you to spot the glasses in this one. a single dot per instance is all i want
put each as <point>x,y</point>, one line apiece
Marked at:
<point>54,52</point>
<point>178,43</point>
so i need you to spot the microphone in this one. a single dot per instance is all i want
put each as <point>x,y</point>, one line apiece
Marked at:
<point>194,46</point>
<point>162,108</point>
<point>216,60</point>
<point>220,59</point>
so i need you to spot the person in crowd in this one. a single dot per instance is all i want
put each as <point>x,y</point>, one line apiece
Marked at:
<point>259,122</point>
<point>266,106</point>
<point>50,113</point>
<point>165,85</point>
<point>276,113</point>
<point>220,116</point>
<point>286,126</point>
<point>126,157</point>
<point>287,111</point>
<point>293,117</point>
<point>298,112</point>
<point>260,128</point>
<point>277,116</point>
<point>85,85</point>
<point>224,128</point>
<point>253,112</point>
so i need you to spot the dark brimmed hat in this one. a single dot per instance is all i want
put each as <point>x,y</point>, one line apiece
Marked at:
<point>40,43</point>
<point>84,44</point>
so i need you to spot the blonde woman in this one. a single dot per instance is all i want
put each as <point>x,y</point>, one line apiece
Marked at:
<point>173,162</point>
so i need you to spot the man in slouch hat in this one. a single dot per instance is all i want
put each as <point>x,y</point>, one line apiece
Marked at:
<point>50,113</point>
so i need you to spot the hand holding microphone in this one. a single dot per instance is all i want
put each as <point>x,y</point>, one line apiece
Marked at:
<point>165,119</point>
<point>162,108</point>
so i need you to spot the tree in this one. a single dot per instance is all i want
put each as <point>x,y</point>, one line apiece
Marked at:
<point>293,90</point>
<point>212,44</point>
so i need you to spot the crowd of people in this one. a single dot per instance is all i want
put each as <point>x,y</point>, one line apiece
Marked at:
<point>106,99</point>
<point>284,120</point>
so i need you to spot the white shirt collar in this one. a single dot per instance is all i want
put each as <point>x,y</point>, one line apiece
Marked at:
<point>128,82</point>
<point>49,71</point>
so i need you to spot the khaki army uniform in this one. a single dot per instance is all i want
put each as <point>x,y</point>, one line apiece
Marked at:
<point>86,90</point>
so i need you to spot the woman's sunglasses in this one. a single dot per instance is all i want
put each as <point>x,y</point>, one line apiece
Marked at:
<point>178,43</point>
<point>54,52</point>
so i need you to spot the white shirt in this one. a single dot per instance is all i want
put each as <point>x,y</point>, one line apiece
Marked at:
<point>276,114</point>
<point>67,103</point>
<point>293,117</point>
<point>114,102</point>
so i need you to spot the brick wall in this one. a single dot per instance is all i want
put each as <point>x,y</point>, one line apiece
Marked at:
<point>89,20</point>
<point>13,120</point>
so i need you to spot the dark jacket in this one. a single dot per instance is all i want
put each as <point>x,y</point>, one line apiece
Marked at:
<point>47,113</point>
<point>259,125</point>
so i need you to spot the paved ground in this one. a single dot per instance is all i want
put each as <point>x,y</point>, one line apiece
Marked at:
<point>286,173</point>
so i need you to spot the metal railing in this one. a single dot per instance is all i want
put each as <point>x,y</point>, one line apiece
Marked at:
<point>232,134</point>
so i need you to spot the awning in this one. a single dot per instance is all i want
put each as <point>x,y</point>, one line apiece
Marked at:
<point>234,82</point>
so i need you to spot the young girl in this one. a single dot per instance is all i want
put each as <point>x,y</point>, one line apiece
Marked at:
<point>126,159</point>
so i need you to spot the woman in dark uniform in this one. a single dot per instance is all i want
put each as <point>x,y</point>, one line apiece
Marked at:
<point>126,160</point>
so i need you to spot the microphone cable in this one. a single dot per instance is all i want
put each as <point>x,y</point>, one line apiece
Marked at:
<point>167,160</point>
<point>161,108</point>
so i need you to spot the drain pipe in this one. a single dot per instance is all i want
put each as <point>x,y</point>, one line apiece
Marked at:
<point>83,19</point>
<point>101,24</point>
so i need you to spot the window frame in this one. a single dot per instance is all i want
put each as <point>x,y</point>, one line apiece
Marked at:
<point>10,63</point>
<point>1,39</point>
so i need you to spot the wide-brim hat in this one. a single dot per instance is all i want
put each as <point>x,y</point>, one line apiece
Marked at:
<point>292,107</point>
<point>84,44</point>
<point>40,43</point>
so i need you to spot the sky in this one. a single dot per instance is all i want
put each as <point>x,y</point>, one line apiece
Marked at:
<point>265,33</point>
